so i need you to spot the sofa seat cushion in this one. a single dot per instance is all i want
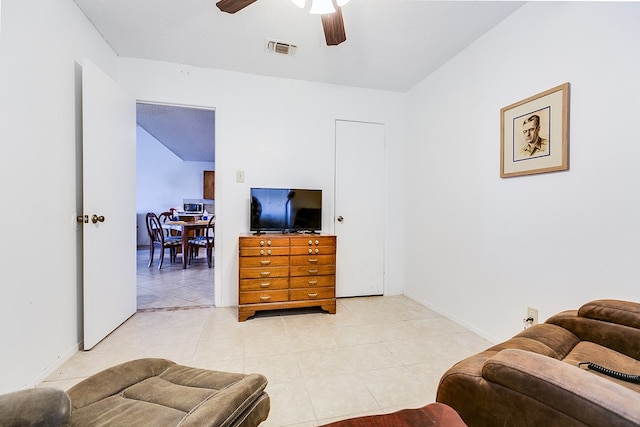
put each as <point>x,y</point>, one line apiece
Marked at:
<point>117,410</point>
<point>160,392</point>
<point>587,351</point>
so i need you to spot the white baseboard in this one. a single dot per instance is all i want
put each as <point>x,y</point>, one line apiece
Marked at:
<point>472,328</point>
<point>54,366</point>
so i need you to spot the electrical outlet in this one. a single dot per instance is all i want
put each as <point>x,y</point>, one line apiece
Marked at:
<point>532,313</point>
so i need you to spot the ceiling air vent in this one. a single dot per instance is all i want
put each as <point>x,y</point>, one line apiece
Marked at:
<point>282,48</point>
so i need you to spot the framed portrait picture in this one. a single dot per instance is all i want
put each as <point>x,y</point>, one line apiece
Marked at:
<point>534,134</point>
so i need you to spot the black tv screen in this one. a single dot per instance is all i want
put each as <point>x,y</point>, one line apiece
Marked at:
<point>286,210</point>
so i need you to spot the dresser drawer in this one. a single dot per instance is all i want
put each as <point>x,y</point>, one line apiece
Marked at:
<point>264,242</point>
<point>264,284</point>
<point>258,297</point>
<point>266,261</point>
<point>313,260</point>
<point>313,250</point>
<point>312,281</point>
<point>259,252</point>
<point>263,273</point>
<point>313,270</point>
<point>312,293</point>
<point>313,241</point>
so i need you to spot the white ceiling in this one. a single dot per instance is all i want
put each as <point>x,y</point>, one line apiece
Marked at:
<point>391,45</point>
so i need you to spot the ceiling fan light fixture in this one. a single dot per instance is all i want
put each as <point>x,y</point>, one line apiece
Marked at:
<point>322,7</point>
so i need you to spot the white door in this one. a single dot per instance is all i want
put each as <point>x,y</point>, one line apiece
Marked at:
<point>360,208</point>
<point>109,164</point>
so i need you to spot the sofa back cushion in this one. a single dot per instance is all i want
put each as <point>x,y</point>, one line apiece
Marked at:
<point>612,311</point>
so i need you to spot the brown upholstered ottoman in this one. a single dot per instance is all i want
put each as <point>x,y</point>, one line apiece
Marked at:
<point>433,414</point>
<point>158,392</point>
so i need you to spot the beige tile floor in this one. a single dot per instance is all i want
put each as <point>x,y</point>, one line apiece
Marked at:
<point>375,355</point>
<point>173,286</point>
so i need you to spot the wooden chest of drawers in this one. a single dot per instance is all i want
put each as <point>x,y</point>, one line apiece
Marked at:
<point>286,271</point>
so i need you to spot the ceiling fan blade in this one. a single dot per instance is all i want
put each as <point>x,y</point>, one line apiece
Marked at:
<point>333,25</point>
<point>232,6</point>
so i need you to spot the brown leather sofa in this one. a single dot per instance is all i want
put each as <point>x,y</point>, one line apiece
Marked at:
<point>144,392</point>
<point>534,379</point>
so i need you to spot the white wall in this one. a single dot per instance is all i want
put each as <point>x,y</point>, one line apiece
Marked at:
<point>280,133</point>
<point>163,180</point>
<point>470,250</point>
<point>41,46</point>
<point>485,248</point>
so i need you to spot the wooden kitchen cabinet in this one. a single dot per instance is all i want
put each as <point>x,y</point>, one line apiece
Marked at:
<point>209,185</point>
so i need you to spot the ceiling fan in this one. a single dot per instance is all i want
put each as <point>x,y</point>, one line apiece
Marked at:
<point>332,23</point>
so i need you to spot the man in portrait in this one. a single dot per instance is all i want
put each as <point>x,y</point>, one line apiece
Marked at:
<point>534,144</point>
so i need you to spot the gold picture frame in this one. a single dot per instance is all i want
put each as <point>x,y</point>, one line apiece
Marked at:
<point>534,134</point>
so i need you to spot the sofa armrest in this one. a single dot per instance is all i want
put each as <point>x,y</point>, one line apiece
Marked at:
<point>579,394</point>
<point>35,407</point>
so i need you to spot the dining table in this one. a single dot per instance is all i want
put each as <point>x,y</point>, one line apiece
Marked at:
<point>188,230</point>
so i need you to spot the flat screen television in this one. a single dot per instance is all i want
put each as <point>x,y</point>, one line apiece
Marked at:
<point>287,210</point>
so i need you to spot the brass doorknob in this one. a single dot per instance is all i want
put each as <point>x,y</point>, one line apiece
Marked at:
<point>95,218</point>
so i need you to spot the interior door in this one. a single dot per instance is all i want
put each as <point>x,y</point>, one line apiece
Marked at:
<point>360,208</point>
<point>109,230</point>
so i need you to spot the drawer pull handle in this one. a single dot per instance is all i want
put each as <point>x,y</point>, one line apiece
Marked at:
<point>313,295</point>
<point>265,273</point>
<point>265,297</point>
<point>265,285</point>
<point>310,251</point>
<point>314,271</point>
<point>313,260</point>
<point>312,282</point>
<point>268,242</point>
<point>317,242</point>
<point>261,242</point>
<point>265,262</point>
<point>310,243</point>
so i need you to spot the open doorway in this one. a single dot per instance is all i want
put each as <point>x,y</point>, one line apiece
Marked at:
<point>175,148</point>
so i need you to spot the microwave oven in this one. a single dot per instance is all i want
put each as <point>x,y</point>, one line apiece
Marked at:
<point>193,208</point>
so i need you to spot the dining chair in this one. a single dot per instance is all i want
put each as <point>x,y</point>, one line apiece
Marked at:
<point>163,218</point>
<point>206,240</point>
<point>158,239</point>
